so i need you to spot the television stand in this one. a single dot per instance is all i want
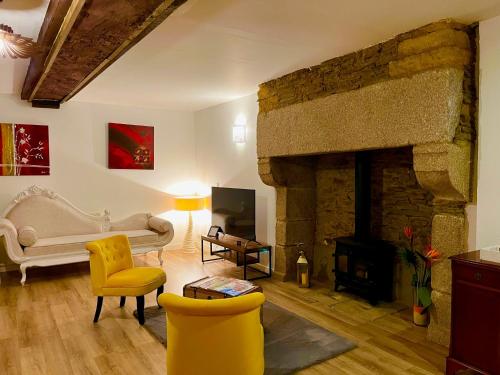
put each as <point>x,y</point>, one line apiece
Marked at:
<point>241,247</point>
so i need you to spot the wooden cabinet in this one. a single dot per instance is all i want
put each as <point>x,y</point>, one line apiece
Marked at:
<point>475,315</point>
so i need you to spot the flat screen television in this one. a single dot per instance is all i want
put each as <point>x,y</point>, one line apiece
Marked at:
<point>234,211</point>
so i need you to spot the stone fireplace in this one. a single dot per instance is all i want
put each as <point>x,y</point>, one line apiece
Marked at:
<point>410,100</point>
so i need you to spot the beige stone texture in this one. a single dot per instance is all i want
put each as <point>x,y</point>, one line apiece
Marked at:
<point>422,109</point>
<point>279,261</point>
<point>268,173</point>
<point>448,237</point>
<point>438,334</point>
<point>292,232</point>
<point>286,262</point>
<point>432,59</point>
<point>439,328</point>
<point>296,203</point>
<point>444,169</point>
<point>436,39</point>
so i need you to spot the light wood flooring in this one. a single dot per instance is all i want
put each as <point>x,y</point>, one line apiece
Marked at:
<point>46,327</point>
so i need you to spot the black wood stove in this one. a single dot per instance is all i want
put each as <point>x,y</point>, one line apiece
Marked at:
<point>363,264</point>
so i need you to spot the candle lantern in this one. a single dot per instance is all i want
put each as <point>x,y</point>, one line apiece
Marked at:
<point>302,271</point>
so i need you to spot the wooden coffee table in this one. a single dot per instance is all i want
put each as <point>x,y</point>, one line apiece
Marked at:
<point>194,290</point>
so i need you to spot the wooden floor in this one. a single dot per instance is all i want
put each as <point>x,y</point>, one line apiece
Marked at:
<point>46,327</point>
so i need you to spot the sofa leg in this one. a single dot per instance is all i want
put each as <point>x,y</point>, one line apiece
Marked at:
<point>158,292</point>
<point>122,301</point>
<point>98,308</point>
<point>23,268</point>
<point>140,309</point>
<point>160,257</point>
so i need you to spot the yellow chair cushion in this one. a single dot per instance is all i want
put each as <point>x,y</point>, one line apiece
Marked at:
<point>136,281</point>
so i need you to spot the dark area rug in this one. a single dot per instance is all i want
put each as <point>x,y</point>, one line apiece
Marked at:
<point>291,343</point>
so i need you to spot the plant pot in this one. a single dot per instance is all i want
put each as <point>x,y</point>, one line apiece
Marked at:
<point>420,316</point>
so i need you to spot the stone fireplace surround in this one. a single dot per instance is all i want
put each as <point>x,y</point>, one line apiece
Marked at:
<point>411,98</point>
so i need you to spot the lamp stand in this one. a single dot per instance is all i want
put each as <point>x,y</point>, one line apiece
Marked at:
<point>188,245</point>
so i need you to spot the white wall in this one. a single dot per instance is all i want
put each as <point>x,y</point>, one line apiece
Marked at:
<point>487,228</point>
<point>221,162</point>
<point>78,157</point>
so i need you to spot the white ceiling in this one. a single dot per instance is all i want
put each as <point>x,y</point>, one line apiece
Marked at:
<point>213,51</point>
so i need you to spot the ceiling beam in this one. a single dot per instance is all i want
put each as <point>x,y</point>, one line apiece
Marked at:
<point>52,22</point>
<point>90,36</point>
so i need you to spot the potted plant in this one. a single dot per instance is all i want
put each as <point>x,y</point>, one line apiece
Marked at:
<point>420,263</point>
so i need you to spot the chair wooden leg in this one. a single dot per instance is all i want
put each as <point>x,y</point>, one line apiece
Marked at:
<point>158,292</point>
<point>140,309</point>
<point>122,301</point>
<point>98,308</point>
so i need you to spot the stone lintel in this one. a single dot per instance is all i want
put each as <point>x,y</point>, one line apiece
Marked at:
<point>424,108</point>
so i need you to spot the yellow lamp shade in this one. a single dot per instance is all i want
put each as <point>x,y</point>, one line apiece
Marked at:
<point>189,203</point>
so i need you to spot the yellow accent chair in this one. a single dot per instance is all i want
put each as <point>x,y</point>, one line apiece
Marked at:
<point>213,337</point>
<point>113,273</point>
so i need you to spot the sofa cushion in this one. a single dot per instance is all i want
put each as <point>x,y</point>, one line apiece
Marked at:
<point>27,235</point>
<point>69,244</point>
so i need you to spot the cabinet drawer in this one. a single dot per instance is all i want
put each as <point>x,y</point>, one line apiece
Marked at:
<point>476,275</point>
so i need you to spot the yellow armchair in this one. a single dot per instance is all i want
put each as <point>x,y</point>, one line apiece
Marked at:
<point>112,273</point>
<point>213,337</point>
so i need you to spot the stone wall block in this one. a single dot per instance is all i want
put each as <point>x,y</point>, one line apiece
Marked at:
<point>448,237</point>
<point>450,57</point>
<point>436,39</point>
<point>439,328</point>
<point>269,173</point>
<point>444,170</point>
<point>296,203</point>
<point>438,334</point>
<point>424,108</point>
<point>279,260</point>
<point>292,232</point>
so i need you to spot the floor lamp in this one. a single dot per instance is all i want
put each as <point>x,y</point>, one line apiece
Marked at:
<point>189,203</point>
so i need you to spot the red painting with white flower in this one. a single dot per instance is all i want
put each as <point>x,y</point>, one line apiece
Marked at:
<point>24,150</point>
<point>130,146</point>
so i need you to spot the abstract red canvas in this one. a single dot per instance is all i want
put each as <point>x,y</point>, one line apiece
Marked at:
<point>130,146</point>
<point>24,150</point>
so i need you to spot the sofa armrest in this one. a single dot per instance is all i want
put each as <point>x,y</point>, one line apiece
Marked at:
<point>9,233</point>
<point>163,227</point>
<point>159,225</point>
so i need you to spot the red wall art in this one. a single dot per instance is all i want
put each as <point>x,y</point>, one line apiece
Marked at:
<point>24,150</point>
<point>130,146</point>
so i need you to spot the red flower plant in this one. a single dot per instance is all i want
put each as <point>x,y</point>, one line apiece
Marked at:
<point>421,264</point>
<point>408,231</point>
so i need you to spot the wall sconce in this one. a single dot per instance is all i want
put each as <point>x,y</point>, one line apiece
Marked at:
<point>239,129</point>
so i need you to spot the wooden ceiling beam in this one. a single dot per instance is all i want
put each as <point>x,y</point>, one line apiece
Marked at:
<point>91,35</point>
<point>58,21</point>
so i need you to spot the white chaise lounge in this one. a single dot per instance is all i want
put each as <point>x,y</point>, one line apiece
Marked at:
<point>42,229</point>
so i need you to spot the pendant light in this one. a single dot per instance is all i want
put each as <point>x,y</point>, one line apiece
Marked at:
<point>15,45</point>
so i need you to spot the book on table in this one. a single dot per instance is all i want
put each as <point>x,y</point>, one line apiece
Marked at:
<point>229,286</point>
